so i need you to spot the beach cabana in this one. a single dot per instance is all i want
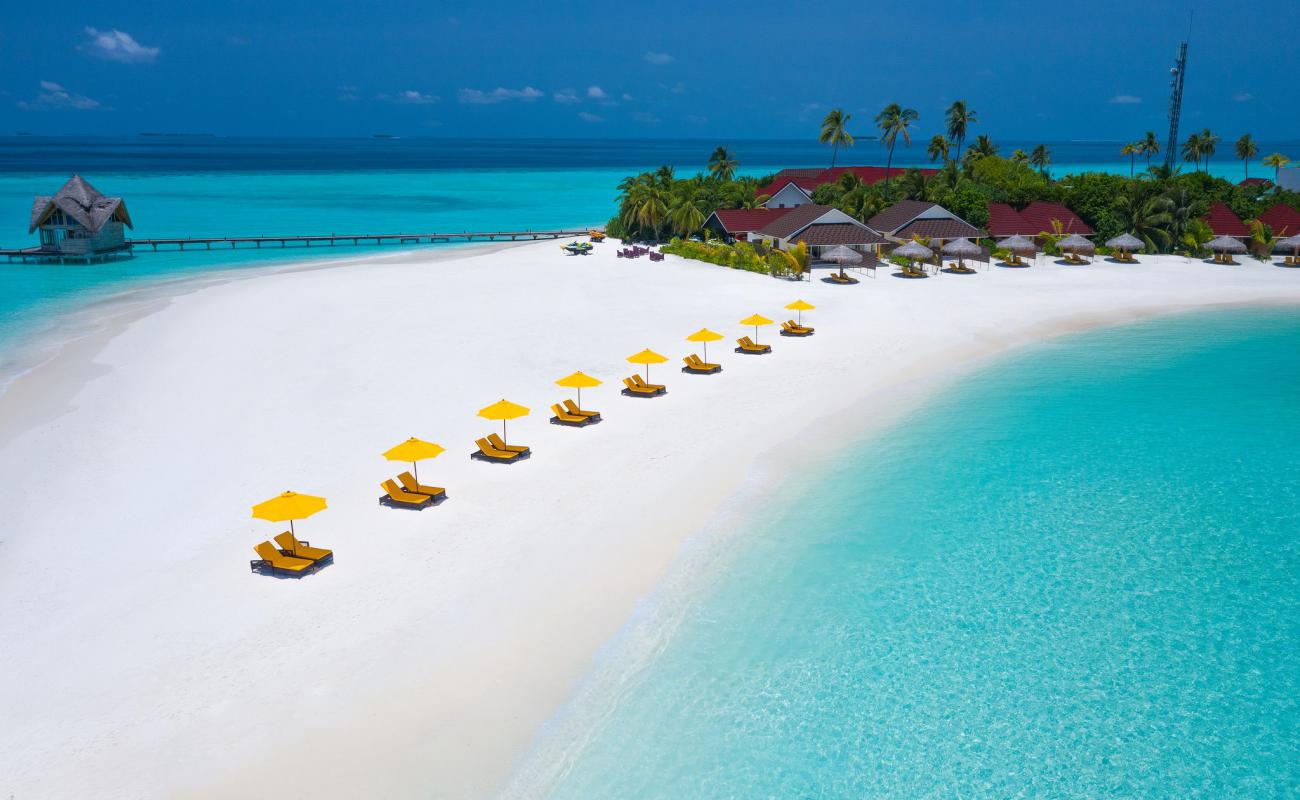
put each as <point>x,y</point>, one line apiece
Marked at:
<point>1018,246</point>
<point>1225,247</point>
<point>913,251</point>
<point>1073,245</point>
<point>1291,243</point>
<point>962,248</point>
<point>703,336</point>
<point>841,255</point>
<point>1125,243</point>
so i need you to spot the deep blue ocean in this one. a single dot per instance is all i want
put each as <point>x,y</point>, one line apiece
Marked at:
<point>1074,574</point>
<point>199,185</point>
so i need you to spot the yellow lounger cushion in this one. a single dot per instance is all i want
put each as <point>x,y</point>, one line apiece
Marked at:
<point>400,495</point>
<point>297,549</point>
<point>279,560</point>
<point>500,444</point>
<point>573,409</point>
<point>487,449</point>
<point>411,485</point>
<point>564,416</point>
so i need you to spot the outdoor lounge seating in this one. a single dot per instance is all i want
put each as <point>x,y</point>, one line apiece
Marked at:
<point>636,387</point>
<point>747,346</point>
<point>487,452</point>
<point>396,497</point>
<point>573,409</point>
<point>841,278</point>
<point>292,546</point>
<point>1074,258</point>
<point>500,444</point>
<point>410,484</point>
<point>564,417</point>
<point>695,366</point>
<point>790,328</point>
<point>274,562</point>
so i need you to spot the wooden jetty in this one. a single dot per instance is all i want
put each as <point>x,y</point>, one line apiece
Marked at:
<point>327,240</point>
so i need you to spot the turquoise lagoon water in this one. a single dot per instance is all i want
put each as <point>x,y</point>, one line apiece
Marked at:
<point>1073,574</point>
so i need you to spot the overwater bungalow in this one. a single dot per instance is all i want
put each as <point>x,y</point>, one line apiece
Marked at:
<point>78,223</point>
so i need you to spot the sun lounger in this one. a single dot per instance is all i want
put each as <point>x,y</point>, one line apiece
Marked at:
<point>842,279</point>
<point>695,366</point>
<point>487,452</point>
<point>292,546</point>
<point>277,563</point>
<point>573,409</point>
<point>789,328</point>
<point>747,346</point>
<point>639,388</point>
<point>500,444</point>
<point>563,417</point>
<point>396,497</point>
<point>410,484</point>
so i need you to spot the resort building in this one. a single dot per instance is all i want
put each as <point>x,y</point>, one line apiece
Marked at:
<point>1034,219</point>
<point>1223,222</point>
<point>737,224</point>
<point>1006,221</point>
<point>79,223</point>
<point>1282,219</point>
<point>794,187</point>
<point>819,227</point>
<point>917,219</point>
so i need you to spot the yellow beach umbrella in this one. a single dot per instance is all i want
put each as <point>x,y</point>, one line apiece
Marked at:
<point>578,380</point>
<point>647,357</point>
<point>414,450</point>
<point>756,320</point>
<point>704,336</point>
<point>503,410</point>
<point>800,306</point>
<point>288,507</point>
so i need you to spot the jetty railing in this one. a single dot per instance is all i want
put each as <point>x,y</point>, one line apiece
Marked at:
<point>356,239</point>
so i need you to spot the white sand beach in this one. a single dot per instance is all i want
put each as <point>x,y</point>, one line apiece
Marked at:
<point>143,659</point>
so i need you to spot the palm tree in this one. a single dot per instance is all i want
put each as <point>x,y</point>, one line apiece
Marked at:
<point>1208,143</point>
<point>835,132</point>
<point>1246,150</point>
<point>892,121</point>
<point>1041,158</point>
<point>982,148</point>
<point>797,259</point>
<point>1196,235</point>
<point>1149,146</point>
<point>1262,240</point>
<point>685,217</point>
<point>1182,210</point>
<point>1192,150</point>
<point>1147,217</point>
<point>722,165</point>
<point>1019,156</point>
<point>938,149</point>
<point>959,119</point>
<point>1130,150</point>
<point>1277,161</point>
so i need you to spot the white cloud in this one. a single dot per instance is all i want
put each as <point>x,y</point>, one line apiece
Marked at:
<point>497,95</point>
<point>587,116</point>
<point>596,93</point>
<point>1243,97</point>
<point>115,45</point>
<point>627,98</point>
<point>410,97</point>
<point>1125,100</point>
<point>54,96</point>
<point>659,58</point>
<point>566,96</point>
<point>348,93</point>
<point>646,117</point>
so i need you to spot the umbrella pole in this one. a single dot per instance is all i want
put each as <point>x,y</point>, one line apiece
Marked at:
<point>579,397</point>
<point>291,533</point>
<point>503,431</point>
<point>415,470</point>
<point>647,373</point>
<point>706,351</point>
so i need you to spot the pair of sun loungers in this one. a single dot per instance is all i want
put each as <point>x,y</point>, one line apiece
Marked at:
<point>494,449</point>
<point>637,387</point>
<point>569,414</point>
<point>789,328</point>
<point>292,557</point>
<point>1074,258</point>
<point>837,277</point>
<point>411,494</point>
<point>696,366</point>
<point>748,347</point>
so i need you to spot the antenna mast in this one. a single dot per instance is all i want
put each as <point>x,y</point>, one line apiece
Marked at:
<point>1177,74</point>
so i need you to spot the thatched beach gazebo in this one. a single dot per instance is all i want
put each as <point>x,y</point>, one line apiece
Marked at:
<point>842,255</point>
<point>1291,243</point>
<point>1018,246</point>
<point>913,251</point>
<point>1074,244</point>
<point>1225,247</point>
<point>1125,243</point>
<point>962,249</point>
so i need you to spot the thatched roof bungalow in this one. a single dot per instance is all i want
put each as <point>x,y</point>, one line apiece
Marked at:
<point>80,222</point>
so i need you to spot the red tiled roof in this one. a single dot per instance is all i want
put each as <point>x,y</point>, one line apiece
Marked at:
<point>945,229</point>
<point>803,182</point>
<point>1254,181</point>
<point>1006,221</point>
<point>1283,219</point>
<point>868,175</point>
<point>831,233</point>
<point>1039,215</point>
<point>1225,223</point>
<point>810,179</point>
<point>793,220</point>
<point>743,220</point>
<point>898,215</point>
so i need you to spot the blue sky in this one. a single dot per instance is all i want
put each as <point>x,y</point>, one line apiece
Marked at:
<point>761,69</point>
